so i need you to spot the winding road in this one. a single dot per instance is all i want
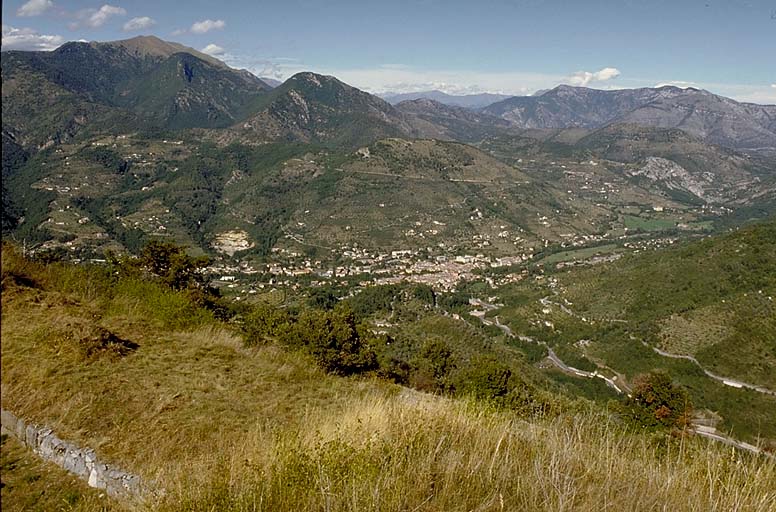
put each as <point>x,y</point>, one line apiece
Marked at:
<point>551,355</point>
<point>724,380</point>
<point>701,430</point>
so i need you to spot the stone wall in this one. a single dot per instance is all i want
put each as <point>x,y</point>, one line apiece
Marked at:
<point>79,461</point>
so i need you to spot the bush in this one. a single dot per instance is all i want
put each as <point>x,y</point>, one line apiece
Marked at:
<point>374,299</point>
<point>485,378</point>
<point>263,323</point>
<point>166,262</point>
<point>333,339</point>
<point>424,293</point>
<point>432,367</point>
<point>322,298</point>
<point>457,301</point>
<point>172,265</point>
<point>656,402</point>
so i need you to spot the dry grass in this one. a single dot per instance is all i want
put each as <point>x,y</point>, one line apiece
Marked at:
<point>216,426</point>
<point>398,454</point>
<point>30,484</point>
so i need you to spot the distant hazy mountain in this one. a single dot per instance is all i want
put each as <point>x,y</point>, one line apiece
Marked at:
<point>271,81</point>
<point>467,101</point>
<point>712,118</point>
<point>680,162</point>
<point>437,120</point>
<point>145,82</point>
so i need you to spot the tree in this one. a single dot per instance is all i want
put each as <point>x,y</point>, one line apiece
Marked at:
<point>264,322</point>
<point>322,298</point>
<point>332,337</point>
<point>424,293</point>
<point>432,367</point>
<point>485,378</point>
<point>657,402</point>
<point>172,265</point>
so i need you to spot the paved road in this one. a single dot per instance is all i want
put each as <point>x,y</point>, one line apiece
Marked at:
<point>724,380</point>
<point>551,355</point>
<point>701,430</point>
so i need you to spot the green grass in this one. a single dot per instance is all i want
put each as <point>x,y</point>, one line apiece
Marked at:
<point>640,223</point>
<point>706,298</point>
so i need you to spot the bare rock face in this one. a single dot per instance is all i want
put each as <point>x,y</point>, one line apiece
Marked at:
<point>673,176</point>
<point>230,242</point>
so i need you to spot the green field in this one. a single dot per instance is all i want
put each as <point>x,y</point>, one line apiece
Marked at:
<point>579,254</point>
<point>640,223</point>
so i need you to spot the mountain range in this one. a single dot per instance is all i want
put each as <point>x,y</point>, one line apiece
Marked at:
<point>145,81</point>
<point>124,131</point>
<point>713,118</point>
<point>473,101</point>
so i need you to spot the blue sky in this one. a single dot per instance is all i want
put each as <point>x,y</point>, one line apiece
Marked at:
<point>508,46</point>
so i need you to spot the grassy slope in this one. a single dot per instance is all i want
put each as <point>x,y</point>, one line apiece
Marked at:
<point>32,485</point>
<point>225,428</point>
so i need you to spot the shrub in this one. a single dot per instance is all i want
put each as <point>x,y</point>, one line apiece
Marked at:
<point>53,255</point>
<point>432,367</point>
<point>264,322</point>
<point>333,339</point>
<point>457,301</point>
<point>172,265</point>
<point>423,293</point>
<point>485,378</point>
<point>322,298</point>
<point>657,402</point>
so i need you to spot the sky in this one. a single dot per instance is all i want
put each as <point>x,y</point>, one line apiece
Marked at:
<point>460,47</point>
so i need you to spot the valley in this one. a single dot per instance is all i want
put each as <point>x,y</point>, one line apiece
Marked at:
<point>300,295</point>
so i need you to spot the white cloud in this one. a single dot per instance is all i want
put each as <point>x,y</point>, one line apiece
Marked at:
<point>29,39</point>
<point>34,8</point>
<point>141,23</point>
<point>749,93</point>
<point>214,50</point>
<point>678,83</point>
<point>583,78</point>
<point>401,79</point>
<point>773,85</point>
<point>398,78</point>
<point>204,26</point>
<point>94,18</point>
